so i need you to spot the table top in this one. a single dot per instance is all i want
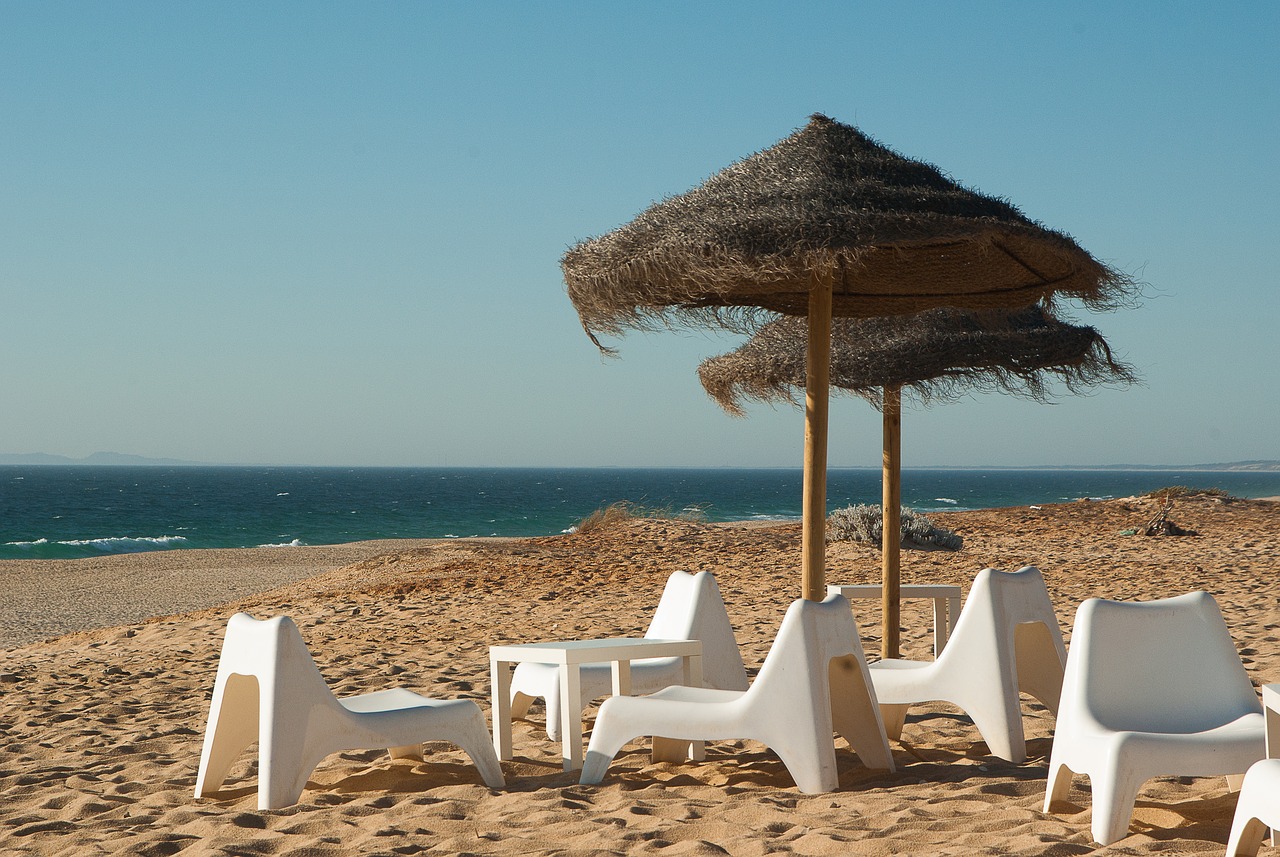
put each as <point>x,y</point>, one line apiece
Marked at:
<point>1271,696</point>
<point>907,590</point>
<point>594,651</point>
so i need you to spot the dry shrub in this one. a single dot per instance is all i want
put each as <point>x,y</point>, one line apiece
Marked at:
<point>608,517</point>
<point>1182,492</point>
<point>864,523</point>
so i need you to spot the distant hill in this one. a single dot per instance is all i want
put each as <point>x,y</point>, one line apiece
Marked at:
<point>1234,466</point>
<point>1261,466</point>
<point>100,459</point>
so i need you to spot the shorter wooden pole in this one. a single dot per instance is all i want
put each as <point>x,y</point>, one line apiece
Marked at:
<point>891,515</point>
<point>817,377</point>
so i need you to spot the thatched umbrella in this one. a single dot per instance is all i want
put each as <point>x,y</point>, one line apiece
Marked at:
<point>825,223</point>
<point>936,355</point>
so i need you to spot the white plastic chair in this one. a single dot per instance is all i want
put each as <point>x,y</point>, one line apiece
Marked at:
<point>268,689</point>
<point>690,609</point>
<point>814,682</point>
<point>1006,640</point>
<point>1258,809</point>
<point>1152,689</point>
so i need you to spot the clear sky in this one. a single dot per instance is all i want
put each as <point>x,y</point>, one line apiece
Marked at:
<point>329,233</point>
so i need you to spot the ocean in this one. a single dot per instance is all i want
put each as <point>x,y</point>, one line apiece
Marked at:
<point>80,511</point>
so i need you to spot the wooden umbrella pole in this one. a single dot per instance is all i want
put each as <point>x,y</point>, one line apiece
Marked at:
<point>817,378</point>
<point>891,536</point>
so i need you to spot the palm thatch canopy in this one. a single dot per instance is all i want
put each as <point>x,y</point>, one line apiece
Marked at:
<point>825,224</point>
<point>827,204</point>
<point>937,355</point>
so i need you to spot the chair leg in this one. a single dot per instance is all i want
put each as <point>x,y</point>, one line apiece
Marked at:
<point>856,717</point>
<point>552,701</point>
<point>671,750</point>
<point>895,716</point>
<point>1040,672</point>
<point>1059,784</point>
<point>1246,837</point>
<point>285,761</point>
<point>520,703</point>
<point>232,727</point>
<point>486,762</point>
<point>473,737</point>
<point>280,785</point>
<point>813,767</point>
<point>409,751</point>
<point>1001,729</point>
<point>606,740</point>
<point>1114,795</point>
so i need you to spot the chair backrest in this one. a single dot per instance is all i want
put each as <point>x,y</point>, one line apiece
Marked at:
<point>1009,621</point>
<point>812,633</point>
<point>815,680</point>
<point>273,652</point>
<point>1157,666</point>
<point>692,609</point>
<point>1004,600</point>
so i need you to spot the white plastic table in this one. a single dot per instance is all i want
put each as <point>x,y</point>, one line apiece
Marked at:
<point>1271,710</point>
<point>946,604</point>
<point>569,656</point>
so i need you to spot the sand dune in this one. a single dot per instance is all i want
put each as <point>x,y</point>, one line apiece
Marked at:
<point>102,727</point>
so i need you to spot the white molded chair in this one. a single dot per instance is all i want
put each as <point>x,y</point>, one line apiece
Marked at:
<point>1258,809</point>
<point>1006,640</point>
<point>1152,689</point>
<point>268,689</point>
<point>690,609</point>
<point>814,682</point>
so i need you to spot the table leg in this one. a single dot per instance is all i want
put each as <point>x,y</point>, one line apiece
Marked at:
<point>500,683</point>
<point>693,678</point>
<point>571,716</point>
<point>693,671</point>
<point>621,678</point>
<point>1272,720</point>
<point>940,627</point>
<point>953,613</point>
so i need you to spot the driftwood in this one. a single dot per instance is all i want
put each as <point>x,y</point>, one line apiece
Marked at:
<point>1160,525</point>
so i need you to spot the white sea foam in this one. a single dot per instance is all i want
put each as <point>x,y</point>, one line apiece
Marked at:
<point>27,544</point>
<point>296,543</point>
<point>946,500</point>
<point>124,543</point>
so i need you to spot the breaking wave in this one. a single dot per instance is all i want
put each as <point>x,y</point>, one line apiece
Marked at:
<point>78,548</point>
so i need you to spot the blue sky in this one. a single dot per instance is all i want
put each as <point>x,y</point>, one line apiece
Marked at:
<point>329,233</point>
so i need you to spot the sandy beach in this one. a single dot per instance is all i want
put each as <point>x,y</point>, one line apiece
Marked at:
<point>102,726</point>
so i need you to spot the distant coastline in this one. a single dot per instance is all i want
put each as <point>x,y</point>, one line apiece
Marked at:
<point>1262,466</point>
<point>118,459</point>
<point>98,459</point>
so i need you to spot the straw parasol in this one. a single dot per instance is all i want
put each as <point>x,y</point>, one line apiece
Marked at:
<point>825,223</point>
<point>936,355</point>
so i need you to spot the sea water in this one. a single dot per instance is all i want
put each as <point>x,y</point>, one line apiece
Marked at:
<point>72,511</point>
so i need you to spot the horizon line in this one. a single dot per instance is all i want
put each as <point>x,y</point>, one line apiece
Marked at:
<point>115,460</point>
